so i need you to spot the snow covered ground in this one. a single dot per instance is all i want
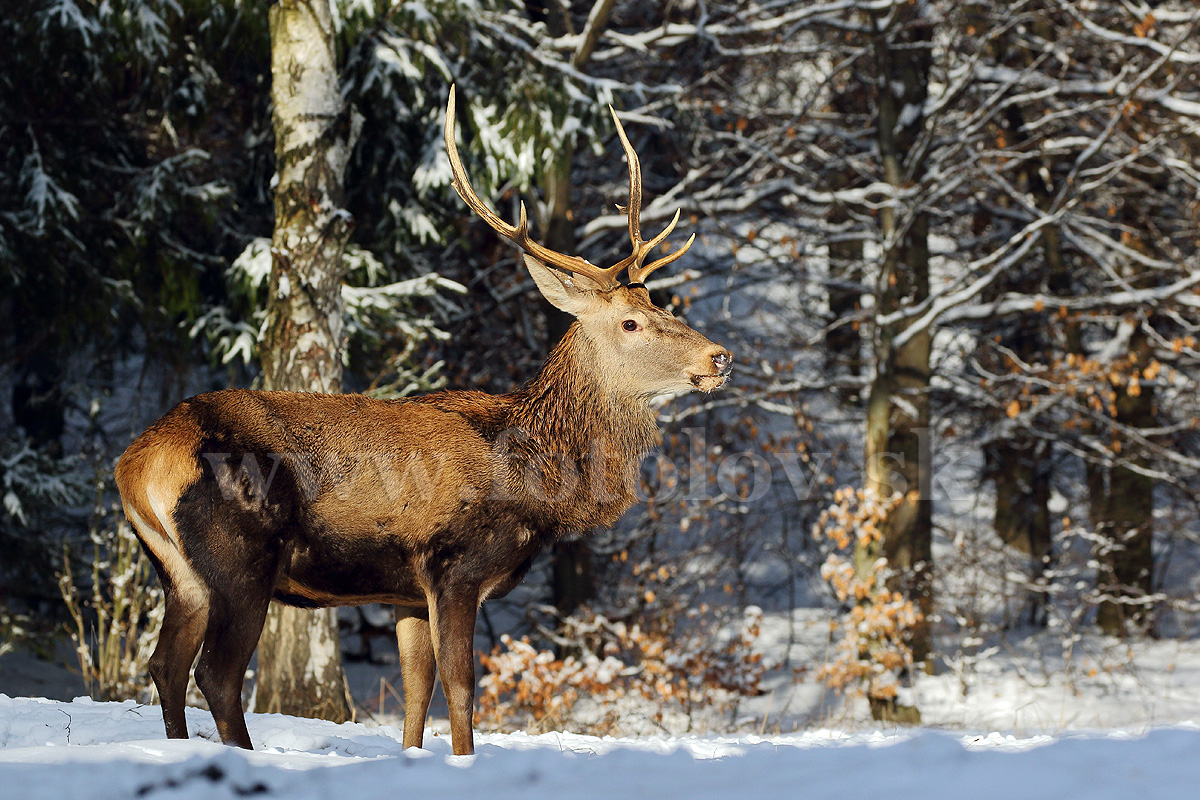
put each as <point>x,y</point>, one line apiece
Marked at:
<point>1023,719</point>
<point>83,749</point>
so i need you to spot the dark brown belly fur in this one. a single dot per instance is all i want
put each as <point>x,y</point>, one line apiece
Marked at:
<point>332,568</point>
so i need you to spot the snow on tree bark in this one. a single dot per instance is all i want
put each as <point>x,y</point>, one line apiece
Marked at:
<point>299,660</point>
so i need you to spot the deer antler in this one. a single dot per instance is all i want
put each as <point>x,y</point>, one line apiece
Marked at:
<point>519,234</point>
<point>641,248</point>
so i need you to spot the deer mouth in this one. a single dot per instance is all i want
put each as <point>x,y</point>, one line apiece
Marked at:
<point>709,383</point>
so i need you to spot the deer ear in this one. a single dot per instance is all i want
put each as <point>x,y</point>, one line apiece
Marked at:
<point>566,292</point>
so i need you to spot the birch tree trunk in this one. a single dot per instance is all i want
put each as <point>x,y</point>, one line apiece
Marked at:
<point>299,658</point>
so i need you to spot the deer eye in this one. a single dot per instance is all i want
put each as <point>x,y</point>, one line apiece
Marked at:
<point>631,325</point>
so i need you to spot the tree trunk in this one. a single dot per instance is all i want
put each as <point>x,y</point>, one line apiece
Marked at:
<point>843,344</point>
<point>897,442</point>
<point>1125,554</point>
<point>1126,521</point>
<point>299,658</point>
<point>1126,559</point>
<point>1021,464</point>
<point>572,575</point>
<point>1035,459</point>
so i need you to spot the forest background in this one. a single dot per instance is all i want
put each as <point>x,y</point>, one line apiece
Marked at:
<point>952,246</point>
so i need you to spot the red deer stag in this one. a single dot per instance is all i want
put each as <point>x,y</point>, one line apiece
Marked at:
<point>433,504</point>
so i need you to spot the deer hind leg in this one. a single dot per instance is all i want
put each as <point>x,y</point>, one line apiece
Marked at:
<point>184,622</point>
<point>184,619</point>
<point>452,624</point>
<point>417,668</point>
<point>229,642</point>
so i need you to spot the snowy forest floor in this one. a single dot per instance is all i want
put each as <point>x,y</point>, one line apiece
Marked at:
<point>1021,718</point>
<point>1020,683</point>
<point>115,750</point>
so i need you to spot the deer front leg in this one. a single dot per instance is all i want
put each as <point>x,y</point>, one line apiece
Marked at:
<point>417,670</point>
<point>452,623</point>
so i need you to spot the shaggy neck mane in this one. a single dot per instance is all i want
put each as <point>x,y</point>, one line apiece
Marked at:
<point>570,407</point>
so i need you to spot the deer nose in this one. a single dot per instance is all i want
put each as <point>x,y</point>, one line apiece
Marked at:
<point>723,362</point>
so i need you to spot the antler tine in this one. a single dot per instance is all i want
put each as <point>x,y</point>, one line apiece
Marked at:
<point>634,209</point>
<point>518,234</point>
<point>639,274</point>
<point>641,248</point>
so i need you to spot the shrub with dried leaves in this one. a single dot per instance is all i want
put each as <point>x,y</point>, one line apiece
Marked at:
<point>673,667</point>
<point>871,649</point>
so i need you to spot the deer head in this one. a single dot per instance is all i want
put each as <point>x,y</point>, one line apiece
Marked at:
<point>639,349</point>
